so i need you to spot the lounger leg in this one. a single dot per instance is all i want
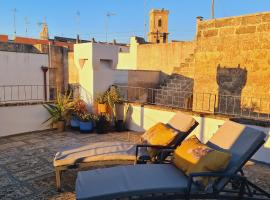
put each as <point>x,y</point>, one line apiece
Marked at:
<point>58,179</point>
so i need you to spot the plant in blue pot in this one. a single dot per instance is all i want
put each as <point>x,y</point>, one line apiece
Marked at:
<point>78,108</point>
<point>86,123</point>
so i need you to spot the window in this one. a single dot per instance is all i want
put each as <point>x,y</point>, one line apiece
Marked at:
<point>159,23</point>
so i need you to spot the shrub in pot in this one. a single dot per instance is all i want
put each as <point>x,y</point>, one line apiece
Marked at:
<point>78,108</point>
<point>59,111</point>
<point>101,103</point>
<point>86,123</point>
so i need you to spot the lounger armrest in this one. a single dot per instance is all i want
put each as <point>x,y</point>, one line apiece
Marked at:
<point>212,174</point>
<point>159,147</point>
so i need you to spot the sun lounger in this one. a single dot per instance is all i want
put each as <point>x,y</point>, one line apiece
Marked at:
<point>117,152</point>
<point>165,181</point>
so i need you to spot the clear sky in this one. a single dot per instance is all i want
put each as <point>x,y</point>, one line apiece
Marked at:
<point>62,16</point>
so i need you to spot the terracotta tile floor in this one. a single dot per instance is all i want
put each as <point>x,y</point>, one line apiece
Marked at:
<point>26,170</point>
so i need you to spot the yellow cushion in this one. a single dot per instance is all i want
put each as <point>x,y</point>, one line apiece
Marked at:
<point>193,156</point>
<point>159,134</point>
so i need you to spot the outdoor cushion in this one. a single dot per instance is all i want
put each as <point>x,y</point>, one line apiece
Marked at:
<point>238,139</point>
<point>131,180</point>
<point>182,122</point>
<point>193,156</point>
<point>159,134</point>
<point>100,151</point>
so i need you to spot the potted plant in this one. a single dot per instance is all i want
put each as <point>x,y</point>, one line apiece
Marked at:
<point>114,101</point>
<point>101,103</point>
<point>78,108</point>
<point>58,111</point>
<point>102,123</point>
<point>86,123</point>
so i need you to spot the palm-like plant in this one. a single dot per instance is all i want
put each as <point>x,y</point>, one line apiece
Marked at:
<point>59,109</point>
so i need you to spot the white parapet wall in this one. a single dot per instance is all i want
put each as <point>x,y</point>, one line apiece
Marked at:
<point>21,119</point>
<point>143,117</point>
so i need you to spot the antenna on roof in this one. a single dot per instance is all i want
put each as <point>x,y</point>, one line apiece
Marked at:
<point>108,15</point>
<point>26,22</point>
<point>14,20</point>
<point>213,9</point>
<point>145,19</point>
<point>78,19</point>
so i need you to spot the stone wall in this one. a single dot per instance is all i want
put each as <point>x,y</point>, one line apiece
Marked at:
<point>163,57</point>
<point>232,57</point>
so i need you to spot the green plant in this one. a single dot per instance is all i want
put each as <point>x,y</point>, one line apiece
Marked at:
<point>86,117</point>
<point>113,95</point>
<point>111,104</point>
<point>78,107</point>
<point>59,109</point>
<point>100,98</point>
<point>126,111</point>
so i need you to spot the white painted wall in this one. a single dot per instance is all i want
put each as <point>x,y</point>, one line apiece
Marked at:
<point>20,119</point>
<point>128,60</point>
<point>99,69</point>
<point>143,118</point>
<point>22,69</point>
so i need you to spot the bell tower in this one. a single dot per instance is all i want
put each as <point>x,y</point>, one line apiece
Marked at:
<point>158,26</point>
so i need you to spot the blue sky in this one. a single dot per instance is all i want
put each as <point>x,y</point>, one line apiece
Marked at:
<point>129,19</point>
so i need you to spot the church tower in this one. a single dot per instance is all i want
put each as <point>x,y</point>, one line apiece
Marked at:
<point>44,33</point>
<point>158,26</point>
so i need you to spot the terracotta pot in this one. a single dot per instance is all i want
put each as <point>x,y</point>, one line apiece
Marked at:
<point>102,108</point>
<point>61,126</point>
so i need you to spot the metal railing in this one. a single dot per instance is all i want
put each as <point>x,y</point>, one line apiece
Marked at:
<point>229,105</point>
<point>31,93</point>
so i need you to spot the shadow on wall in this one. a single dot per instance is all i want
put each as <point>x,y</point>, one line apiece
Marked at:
<point>231,82</point>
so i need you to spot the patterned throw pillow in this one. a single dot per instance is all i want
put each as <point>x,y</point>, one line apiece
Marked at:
<point>193,156</point>
<point>159,134</point>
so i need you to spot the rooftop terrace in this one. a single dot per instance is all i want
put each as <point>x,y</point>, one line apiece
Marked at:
<point>26,170</point>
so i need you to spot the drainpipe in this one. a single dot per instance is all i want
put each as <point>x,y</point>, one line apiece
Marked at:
<point>45,69</point>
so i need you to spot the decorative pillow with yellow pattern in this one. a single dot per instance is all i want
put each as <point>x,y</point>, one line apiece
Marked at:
<point>159,134</point>
<point>193,156</point>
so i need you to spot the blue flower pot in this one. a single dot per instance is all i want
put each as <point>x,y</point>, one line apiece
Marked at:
<point>74,123</point>
<point>86,127</point>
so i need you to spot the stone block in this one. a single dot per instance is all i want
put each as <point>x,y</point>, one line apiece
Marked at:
<point>226,31</point>
<point>210,33</point>
<point>246,29</point>
<point>227,22</point>
<point>266,17</point>
<point>263,28</point>
<point>250,20</point>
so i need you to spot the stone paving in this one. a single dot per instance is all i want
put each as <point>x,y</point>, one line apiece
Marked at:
<point>26,170</point>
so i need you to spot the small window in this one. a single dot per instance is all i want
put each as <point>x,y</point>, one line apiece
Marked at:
<point>159,23</point>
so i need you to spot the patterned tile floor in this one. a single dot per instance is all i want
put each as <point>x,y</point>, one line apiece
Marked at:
<point>26,170</point>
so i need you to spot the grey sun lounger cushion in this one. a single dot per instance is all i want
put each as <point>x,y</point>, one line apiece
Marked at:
<point>129,180</point>
<point>100,151</point>
<point>240,140</point>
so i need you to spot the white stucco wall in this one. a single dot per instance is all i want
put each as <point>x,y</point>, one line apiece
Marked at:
<point>128,60</point>
<point>143,118</point>
<point>20,119</point>
<point>99,69</point>
<point>22,69</point>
